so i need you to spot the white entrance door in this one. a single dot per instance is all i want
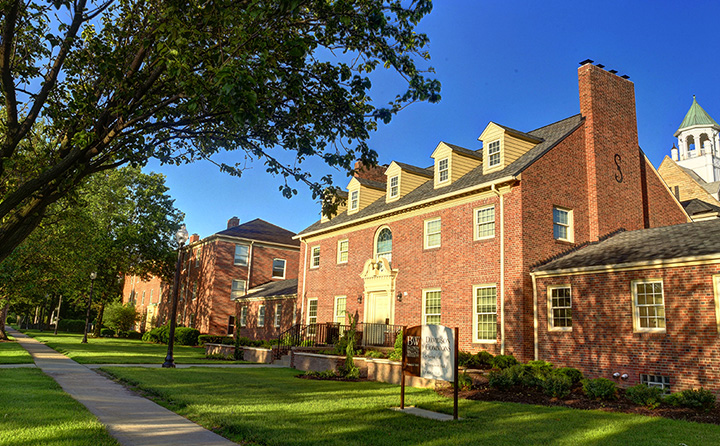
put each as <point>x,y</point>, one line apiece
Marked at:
<point>378,316</point>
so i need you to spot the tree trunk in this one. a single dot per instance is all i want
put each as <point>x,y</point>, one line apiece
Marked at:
<point>3,316</point>
<point>98,321</point>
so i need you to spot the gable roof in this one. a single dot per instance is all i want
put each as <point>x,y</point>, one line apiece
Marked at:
<point>426,172</point>
<point>281,288</point>
<point>550,135</point>
<point>262,231</point>
<point>664,243</point>
<point>695,207</point>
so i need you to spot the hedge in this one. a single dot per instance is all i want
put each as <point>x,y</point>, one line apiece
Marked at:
<point>183,335</point>
<point>72,325</point>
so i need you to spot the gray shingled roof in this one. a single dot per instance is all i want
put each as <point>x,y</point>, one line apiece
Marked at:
<point>712,188</point>
<point>550,135</point>
<point>263,231</point>
<point>371,183</point>
<point>415,169</point>
<point>695,207</point>
<point>664,243</point>
<point>274,289</point>
<point>464,151</point>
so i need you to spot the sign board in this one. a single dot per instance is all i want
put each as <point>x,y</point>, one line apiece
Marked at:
<point>430,351</point>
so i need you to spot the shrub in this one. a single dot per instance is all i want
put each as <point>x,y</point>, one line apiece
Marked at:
<point>599,388</point>
<point>504,361</point>
<point>556,385</point>
<point>209,339</point>
<point>696,399</point>
<point>327,374</point>
<point>10,319</point>
<point>575,375</point>
<point>219,356</point>
<point>151,336</point>
<point>396,354</point>
<point>500,380</point>
<point>485,358</point>
<point>469,360</point>
<point>132,334</point>
<point>374,354</point>
<point>644,395</point>
<point>464,381</point>
<point>72,325</point>
<point>121,317</point>
<point>186,335</point>
<point>107,333</point>
<point>541,367</point>
<point>243,341</point>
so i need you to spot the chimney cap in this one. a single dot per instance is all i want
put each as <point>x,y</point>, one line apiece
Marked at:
<point>586,61</point>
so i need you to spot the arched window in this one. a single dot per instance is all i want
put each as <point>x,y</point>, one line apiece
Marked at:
<point>704,145</point>
<point>383,244</point>
<point>690,145</point>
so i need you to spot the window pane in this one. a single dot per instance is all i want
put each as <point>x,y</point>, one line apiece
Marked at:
<point>432,307</point>
<point>486,313</point>
<point>278,268</point>
<point>241,254</point>
<point>384,244</point>
<point>485,220</point>
<point>261,316</point>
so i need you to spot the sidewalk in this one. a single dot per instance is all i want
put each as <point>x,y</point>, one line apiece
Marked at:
<point>131,419</point>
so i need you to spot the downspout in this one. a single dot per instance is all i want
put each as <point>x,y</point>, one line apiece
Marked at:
<point>536,348</point>
<point>302,296</point>
<point>502,269</point>
<point>250,259</point>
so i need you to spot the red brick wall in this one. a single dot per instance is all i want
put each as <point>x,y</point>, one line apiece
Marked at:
<point>602,341</point>
<point>268,331</point>
<point>135,286</point>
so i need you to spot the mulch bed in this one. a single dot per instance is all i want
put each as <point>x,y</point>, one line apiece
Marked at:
<point>481,391</point>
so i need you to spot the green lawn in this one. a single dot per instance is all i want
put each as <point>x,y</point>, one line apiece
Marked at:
<point>35,411</point>
<point>13,353</point>
<point>272,407</point>
<point>119,351</point>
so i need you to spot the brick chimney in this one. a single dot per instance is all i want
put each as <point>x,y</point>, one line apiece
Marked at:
<point>233,222</point>
<point>376,173</point>
<point>194,238</point>
<point>615,167</point>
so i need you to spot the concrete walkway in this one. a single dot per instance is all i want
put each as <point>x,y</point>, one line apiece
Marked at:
<point>131,419</point>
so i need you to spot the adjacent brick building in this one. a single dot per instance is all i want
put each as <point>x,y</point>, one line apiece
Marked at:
<point>454,243</point>
<point>220,269</point>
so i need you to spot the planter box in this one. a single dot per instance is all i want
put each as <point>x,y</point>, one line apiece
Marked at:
<point>387,371</point>
<point>312,361</point>
<point>250,354</point>
<point>228,351</point>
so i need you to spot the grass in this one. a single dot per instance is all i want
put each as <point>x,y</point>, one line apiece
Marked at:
<point>119,351</point>
<point>13,353</point>
<point>35,411</point>
<point>272,407</point>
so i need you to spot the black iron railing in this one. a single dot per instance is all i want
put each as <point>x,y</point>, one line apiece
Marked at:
<point>328,334</point>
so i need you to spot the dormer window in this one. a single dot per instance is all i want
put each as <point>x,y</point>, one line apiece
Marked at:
<point>354,200</point>
<point>494,153</point>
<point>394,186</point>
<point>443,170</point>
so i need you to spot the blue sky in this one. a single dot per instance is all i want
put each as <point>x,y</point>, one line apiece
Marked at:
<point>511,62</point>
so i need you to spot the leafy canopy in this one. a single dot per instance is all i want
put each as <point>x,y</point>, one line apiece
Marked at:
<point>89,86</point>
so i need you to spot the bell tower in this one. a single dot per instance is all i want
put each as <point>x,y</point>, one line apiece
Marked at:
<point>698,147</point>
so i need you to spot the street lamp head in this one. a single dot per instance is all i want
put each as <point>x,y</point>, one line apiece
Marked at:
<point>93,275</point>
<point>182,235</point>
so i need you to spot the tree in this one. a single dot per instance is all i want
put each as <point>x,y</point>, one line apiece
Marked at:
<point>121,317</point>
<point>88,87</point>
<point>119,221</point>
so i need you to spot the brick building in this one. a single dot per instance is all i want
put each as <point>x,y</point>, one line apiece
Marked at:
<point>268,310</point>
<point>640,306</point>
<point>222,268</point>
<point>454,243</point>
<point>151,298</point>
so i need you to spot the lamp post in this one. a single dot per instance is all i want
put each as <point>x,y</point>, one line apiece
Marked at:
<point>93,276</point>
<point>181,236</point>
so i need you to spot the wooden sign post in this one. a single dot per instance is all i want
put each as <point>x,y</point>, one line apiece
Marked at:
<point>431,352</point>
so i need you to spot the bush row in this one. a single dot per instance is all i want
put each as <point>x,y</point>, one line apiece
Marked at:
<point>210,339</point>
<point>72,325</point>
<point>183,335</point>
<point>541,374</point>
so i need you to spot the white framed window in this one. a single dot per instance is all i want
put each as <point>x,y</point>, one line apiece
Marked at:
<point>142,302</point>
<point>238,288</point>
<point>383,244</point>
<point>485,222</point>
<point>312,311</point>
<point>648,306</point>
<point>559,308</point>
<point>485,308</point>
<point>443,170</point>
<point>241,254</point>
<point>432,306</point>
<point>716,288</point>
<point>194,290</point>
<point>494,153</point>
<point>394,189</point>
<point>315,257</point>
<point>243,316</point>
<point>662,382</point>
<point>432,233</point>
<point>278,269</point>
<point>340,309</point>
<point>354,200</point>
<point>198,251</point>
<point>261,316</point>
<point>278,315</point>
<point>343,247</point>
<point>562,224</point>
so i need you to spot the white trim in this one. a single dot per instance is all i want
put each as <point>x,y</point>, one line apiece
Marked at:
<point>307,320</point>
<point>536,346</point>
<point>233,290</point>
<point>716,289</point>
<point>551,320</point>
<point>261,323</point>
<point>284,268</point>
<point>476,225</point>
<point>630,266</point>
<point>312,257</point>
<point>499,154</point>
<point>375,242</point>
<point>243,316</point>
<point>475,334</point>
<point>277,315</point>
<point>355,200</point>
<point>426,234</point>
<point>425,292</point>
<point>392,196</point>
<point>439,171</point>
<point>339,251</point>
<point>247,257</point>
<point>570,224</point>
<point>636,310</point>
<point>412,206</point>
<point>335,308</point>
